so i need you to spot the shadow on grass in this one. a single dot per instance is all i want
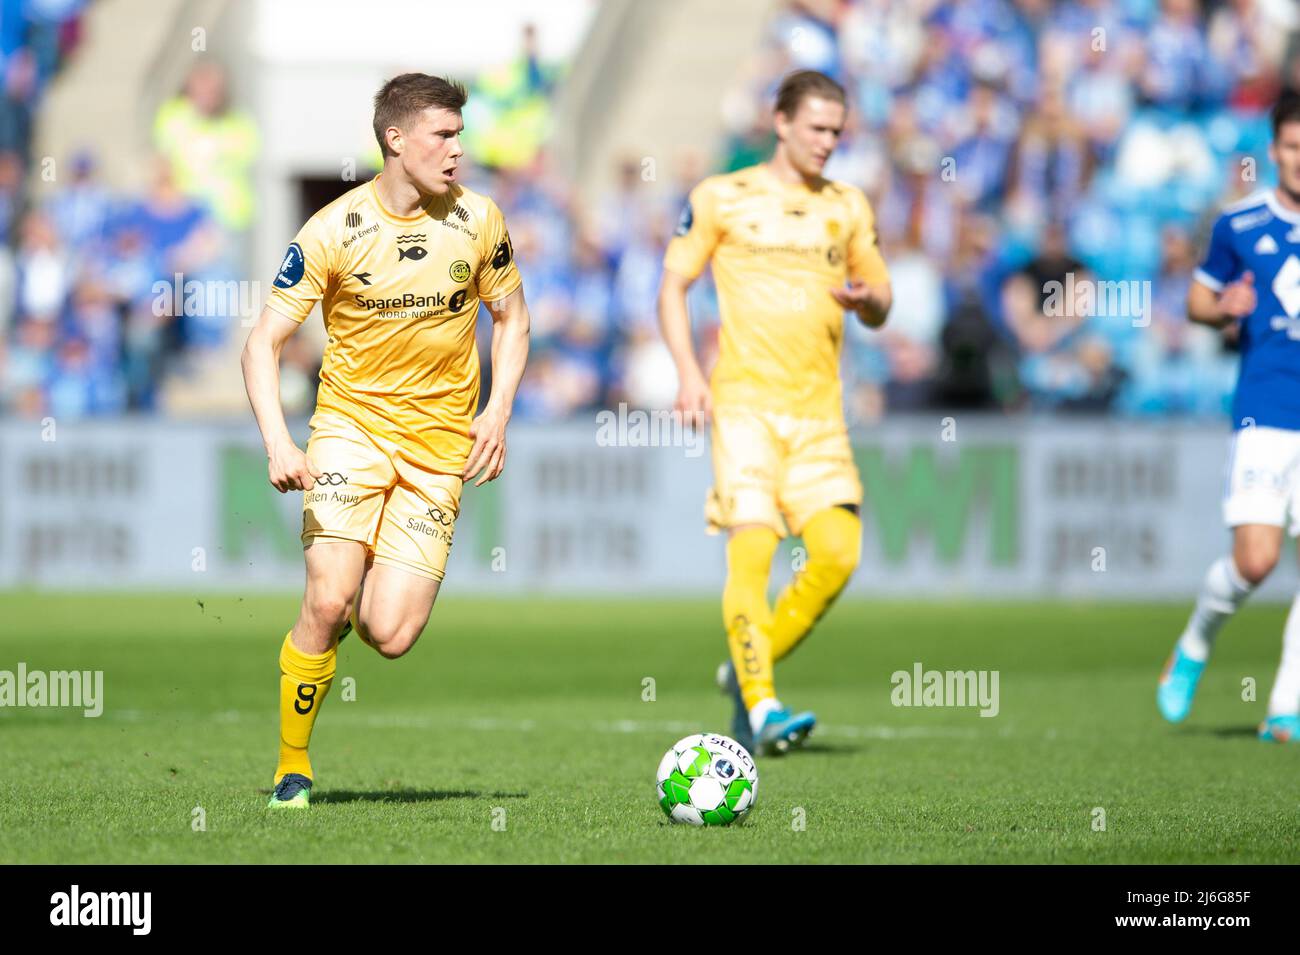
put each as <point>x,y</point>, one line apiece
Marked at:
<point>824,748</point>
<point>408,795</point>
<point>1223,732</point>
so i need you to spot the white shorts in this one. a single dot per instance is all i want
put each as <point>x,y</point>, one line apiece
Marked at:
<point>1263,479</point>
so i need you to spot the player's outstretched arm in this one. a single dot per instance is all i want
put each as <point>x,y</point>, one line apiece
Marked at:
<point>287,466</point>
<point>509,355</point>
<point>1221,309</point>
<point>693,398</point>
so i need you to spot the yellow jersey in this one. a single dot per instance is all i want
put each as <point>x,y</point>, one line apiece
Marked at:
<point>400,298</point>
<point>777,250</point>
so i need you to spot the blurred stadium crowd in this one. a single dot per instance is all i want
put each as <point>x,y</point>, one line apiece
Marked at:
<point>1004,144</point>
<point>83,329</point>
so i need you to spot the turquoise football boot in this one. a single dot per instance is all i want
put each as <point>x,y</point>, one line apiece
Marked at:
<point>784,730</point>
<point>293,791</point>
<point>1178,686</point>
<point>1280,729</point>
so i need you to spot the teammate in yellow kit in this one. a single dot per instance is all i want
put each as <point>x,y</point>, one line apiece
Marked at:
<point>399,266</point>
<point>791,252</point>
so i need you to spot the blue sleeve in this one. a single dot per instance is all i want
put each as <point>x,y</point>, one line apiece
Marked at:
<point>1221,264</point>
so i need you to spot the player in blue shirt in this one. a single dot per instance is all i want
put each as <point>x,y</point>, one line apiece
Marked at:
<point>1251,278</point>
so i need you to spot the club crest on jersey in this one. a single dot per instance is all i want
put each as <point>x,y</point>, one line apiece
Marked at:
<point>1266,245</point>
<point>292,268</point>
<point>460,271</point>
<point>686,221</point>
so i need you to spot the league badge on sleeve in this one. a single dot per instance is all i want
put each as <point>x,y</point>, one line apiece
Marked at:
<point>291,268</point>
<point>686,221</point>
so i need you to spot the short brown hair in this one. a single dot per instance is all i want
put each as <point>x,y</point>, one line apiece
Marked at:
<point>403,96</point>
<point>1285,110</point>
<point>802,83</point>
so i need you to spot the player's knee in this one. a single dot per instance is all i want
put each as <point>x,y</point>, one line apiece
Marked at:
<point>327,610</point>
<point>393,638</point>
<point>393,649</point>
<point>1255,564</point>
<point>833,557</point>
<point>835,565</point>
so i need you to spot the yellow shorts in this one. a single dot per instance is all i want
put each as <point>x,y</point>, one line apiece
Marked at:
<point>373,492</point>
<point>778,470</point>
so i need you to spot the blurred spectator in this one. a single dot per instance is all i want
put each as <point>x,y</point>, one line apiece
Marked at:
<point>508,117</point>
<point>11,184</point>
<point>976,365</point>
<point>982,135</point>
<point>211,145</point>
<point>80,208</point>
<point>1249,38</point>
<point>1180,74</point>
<point>44,275</point>
<point>1052,165</point>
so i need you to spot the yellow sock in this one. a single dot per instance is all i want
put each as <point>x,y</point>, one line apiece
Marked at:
<point>745,612</point>
<point>305,678</point>
<point>833,538</point>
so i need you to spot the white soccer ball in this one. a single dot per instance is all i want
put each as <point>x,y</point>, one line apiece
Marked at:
<point>707,780</point>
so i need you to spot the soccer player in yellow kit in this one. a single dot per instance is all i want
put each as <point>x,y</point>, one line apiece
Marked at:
<point>791,251</point>
<point>399,266</point>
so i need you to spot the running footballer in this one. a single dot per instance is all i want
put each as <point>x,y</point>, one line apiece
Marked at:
<point>399,266</point>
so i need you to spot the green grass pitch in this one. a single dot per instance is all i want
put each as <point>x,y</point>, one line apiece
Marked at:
<point>530,712</point>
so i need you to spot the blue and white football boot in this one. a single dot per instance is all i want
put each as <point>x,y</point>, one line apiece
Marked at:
<point>1280,729</point>
<point>783,730</point>
<point>1178,686</point>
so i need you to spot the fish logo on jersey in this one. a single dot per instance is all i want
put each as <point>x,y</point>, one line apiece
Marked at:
<point>414,252</point>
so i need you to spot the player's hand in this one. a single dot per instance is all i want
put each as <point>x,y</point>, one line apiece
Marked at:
<point>1238,299</point>
<point>861,298</point>
<point>694,401</point>
<point>488,454</point>
<point>290,470</point>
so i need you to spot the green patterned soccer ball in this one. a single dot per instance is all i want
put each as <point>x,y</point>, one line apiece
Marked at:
<point>707,780</point>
